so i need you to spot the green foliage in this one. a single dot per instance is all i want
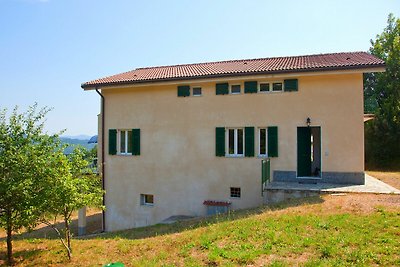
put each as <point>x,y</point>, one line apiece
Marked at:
<point>74,187</point>
<point>26,162</point>
<point>382,97</point>
<point>37,179</point>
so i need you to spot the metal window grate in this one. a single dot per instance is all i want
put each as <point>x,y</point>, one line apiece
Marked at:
<point>235,192</point>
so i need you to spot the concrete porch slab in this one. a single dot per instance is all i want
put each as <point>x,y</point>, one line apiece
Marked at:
<point>372,185</point>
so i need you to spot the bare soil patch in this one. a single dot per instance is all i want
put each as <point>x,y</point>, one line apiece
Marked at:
<point>93,226</point>
<point>345,203</point>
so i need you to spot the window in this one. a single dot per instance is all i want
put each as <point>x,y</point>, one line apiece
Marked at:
<point>235,192</point>
<point>125,142</point>
<point>146,199</point>
<point>235,142</point>
<point>291,85</point>
<point>262,141</point>
<point>235,89</point>
<point>264,87</point>
<point>277,87</point>
<point>196,91</point>
<point>183,90</point>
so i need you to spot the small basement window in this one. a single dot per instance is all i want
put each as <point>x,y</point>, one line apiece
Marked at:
<point>235,89</point>
<point>235,192</point>
<point>146,199</point>
<point>276,87</point>
<point>196,91</point>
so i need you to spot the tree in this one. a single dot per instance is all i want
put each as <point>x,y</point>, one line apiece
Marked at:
<point>382,96</point>
<point>25,167</point>
<point>73,188</point>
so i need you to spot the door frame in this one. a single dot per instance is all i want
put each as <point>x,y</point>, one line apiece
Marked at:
<point>321,157</point>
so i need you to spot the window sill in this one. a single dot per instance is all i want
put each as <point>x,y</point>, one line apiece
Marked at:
<point>127,154</point>
<point>270,92</point>
<point>234,156</point>
<point>147,205</point>
<point>262,156</point>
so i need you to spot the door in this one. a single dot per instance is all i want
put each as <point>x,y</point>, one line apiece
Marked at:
<point>304,152</point>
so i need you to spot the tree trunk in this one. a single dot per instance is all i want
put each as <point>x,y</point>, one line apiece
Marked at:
<point>9,240</point>
<point>68,238</point>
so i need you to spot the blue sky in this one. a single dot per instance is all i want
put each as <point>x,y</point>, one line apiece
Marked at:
<point>49,47</point>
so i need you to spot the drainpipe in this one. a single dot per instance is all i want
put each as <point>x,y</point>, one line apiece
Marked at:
<point>102,157</point>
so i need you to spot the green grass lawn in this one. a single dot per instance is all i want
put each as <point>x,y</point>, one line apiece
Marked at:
<point>330,230</point>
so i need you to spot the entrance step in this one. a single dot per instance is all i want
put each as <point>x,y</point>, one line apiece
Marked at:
<point>309,180</point>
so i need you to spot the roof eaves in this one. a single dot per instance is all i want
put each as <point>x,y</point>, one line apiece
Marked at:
<point>89,86</point>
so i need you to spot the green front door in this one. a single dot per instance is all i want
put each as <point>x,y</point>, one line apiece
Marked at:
<point>303,151</point>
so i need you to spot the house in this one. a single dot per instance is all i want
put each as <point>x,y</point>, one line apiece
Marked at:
<point>176,139</point>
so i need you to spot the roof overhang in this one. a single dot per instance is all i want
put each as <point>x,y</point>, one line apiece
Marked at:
<point>237,76</point>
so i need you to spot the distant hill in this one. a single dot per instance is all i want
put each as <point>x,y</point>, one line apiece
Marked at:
<point>79,137</point>
<point>73,142</point>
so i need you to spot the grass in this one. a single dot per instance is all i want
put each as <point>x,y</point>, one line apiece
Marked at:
<point>361,230</point>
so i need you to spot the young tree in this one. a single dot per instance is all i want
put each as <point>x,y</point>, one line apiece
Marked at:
<point>382,93</point>
<point>73,188</point>
<point>25,166</point>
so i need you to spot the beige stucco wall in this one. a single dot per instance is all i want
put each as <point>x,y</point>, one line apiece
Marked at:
<point>178,163</point>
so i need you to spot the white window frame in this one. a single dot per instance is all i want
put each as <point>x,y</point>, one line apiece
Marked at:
<point>143,200</point>
<point>235,144</point>
<point>119,139</point>
<point>197,87</point>
<point>264,92</point>
<point>266,141</point>
<point>272,87</point>
<point>235,84</point>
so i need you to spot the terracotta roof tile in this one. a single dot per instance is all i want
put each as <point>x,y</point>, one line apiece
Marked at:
<point>321,62</point>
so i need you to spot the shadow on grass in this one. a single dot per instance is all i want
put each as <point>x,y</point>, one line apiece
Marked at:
<point>165,229</point>
<point>94,223</point>
<point>43,231</point>
<point>19,256</point>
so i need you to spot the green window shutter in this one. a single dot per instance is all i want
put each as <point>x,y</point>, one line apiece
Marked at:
<point>250,87</point>
<point>291,85</point>
<point>136,142</point>
<point>112,141</point>
<point>184,90</point>
<point>220,142</point>
<point>249,141</point>
<point>272,141</point>
<point>222,88</point>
